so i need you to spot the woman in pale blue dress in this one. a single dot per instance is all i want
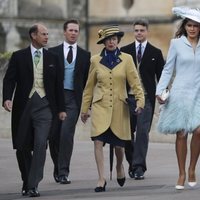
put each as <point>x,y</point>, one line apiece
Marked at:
<point>180,113</point>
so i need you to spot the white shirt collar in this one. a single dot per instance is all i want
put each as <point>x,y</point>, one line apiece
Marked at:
<point>143,44</point>
<point>66,45</point>
<point>33,49</point>
<point>66,49</point>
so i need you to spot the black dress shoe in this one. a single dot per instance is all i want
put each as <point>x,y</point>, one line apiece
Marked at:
<point>139,174</point>
<point>64,180</point>
<point>101,189</point>
<point>130,173</point>
<point>24,192</point>
<point>56,178</point>
<point>33,192</point>
<point>24,189</point>
<point>121,181</point>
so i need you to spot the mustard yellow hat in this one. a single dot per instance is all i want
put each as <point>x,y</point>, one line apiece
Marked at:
<point>109,31</point>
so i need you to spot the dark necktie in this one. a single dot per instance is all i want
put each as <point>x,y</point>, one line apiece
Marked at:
<point>70,55</point>
<point>139,53</point>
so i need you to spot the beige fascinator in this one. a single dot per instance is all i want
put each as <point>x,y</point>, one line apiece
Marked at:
<point>185,12</point>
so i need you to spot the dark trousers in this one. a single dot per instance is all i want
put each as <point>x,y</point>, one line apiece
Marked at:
<point>37,117</point>
<point>24,159</point>
<point>129,144</point>
<point>61,147</point>
<point>136,150</point>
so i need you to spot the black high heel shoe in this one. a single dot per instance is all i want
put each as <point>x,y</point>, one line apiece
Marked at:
<point>121,181</point>
<point>101,189</point>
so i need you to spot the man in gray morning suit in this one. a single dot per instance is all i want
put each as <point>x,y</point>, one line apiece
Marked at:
<point>75,62</point>
<point>149,62</point>
<point>35,79</point>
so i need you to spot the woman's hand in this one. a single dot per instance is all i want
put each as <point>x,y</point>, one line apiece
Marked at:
<point>84,117</point>
<point>160,100</point>
<point>138,110</point>
<point>163,97</point>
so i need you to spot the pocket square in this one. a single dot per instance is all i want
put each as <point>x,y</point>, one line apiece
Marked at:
<point>51,65</point>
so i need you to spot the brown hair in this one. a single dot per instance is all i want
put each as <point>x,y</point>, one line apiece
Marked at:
<point>142,22</point>
<point>33,29</point>
<point>118,38</point>
<point>181,29</point>
<point>73,21</point>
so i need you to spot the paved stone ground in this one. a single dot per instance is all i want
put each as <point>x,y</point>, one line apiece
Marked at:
<point>158,183</point>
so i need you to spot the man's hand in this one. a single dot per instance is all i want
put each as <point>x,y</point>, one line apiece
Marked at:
<point>7,105</point>
<point>84,117</point>
<point>62,115</point>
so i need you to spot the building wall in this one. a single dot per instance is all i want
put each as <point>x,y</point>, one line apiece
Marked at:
<point>105,9</point>
<point>123,12</point>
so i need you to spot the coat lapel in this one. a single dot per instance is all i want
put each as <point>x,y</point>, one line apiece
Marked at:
<point>145,51</point>
<point>45,55</point>
<point>61,55</point>
<point>145,54</point>
<point>29,58</point>
<point>78,60</point>
<point>133,52</point>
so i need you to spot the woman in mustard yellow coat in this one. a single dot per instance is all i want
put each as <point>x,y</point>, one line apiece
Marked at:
<point>106,93</point>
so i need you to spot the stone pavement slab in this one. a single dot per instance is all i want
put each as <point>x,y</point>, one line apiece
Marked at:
<point>158,183</point>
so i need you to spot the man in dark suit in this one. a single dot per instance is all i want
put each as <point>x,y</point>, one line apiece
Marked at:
<point>75,63</point>
<point>149,62</point>
<point>35,79</point>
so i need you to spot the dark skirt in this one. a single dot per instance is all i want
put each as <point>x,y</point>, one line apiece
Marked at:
<point>109,137</point>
